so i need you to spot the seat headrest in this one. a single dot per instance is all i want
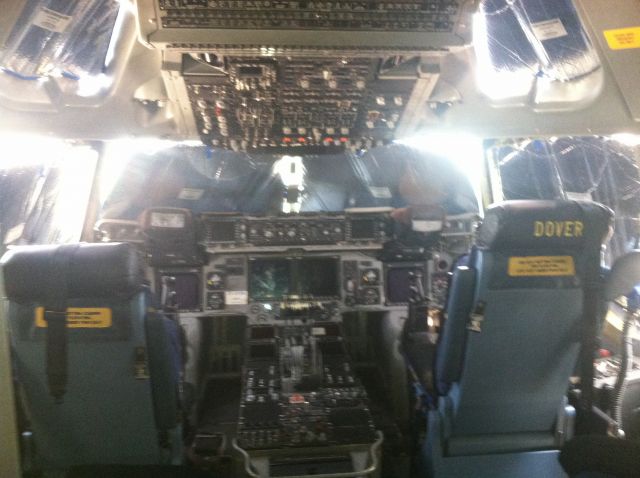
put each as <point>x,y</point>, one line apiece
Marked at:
<point>544,224</point>
<point>93,270</point>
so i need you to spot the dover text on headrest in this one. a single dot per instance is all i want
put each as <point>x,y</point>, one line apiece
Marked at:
<point>544,224</point>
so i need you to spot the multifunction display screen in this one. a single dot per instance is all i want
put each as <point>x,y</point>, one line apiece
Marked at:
<point>276,279</point>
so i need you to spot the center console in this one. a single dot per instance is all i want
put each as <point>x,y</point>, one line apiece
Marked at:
<point>301,397</point>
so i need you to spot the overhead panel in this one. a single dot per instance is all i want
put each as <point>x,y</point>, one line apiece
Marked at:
<point>295,25</point>
<point>302,76</point>
<point>311,104</point>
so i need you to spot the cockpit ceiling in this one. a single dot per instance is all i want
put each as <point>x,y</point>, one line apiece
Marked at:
<point>316,77</point>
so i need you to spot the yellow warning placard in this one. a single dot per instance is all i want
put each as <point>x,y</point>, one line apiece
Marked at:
<point>541,266</point>
<point>80,318</point>
<point>623,38</point>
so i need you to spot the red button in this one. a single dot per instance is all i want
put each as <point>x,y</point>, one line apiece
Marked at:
<point>296,398</point>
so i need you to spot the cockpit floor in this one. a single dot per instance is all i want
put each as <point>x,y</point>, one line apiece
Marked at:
<point>219,406</point>
<point>136,471</point>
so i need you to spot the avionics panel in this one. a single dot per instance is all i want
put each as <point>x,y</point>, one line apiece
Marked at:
<point>268,287</point>
<point>300,391</point>
<point>273,279</point>
<point>283,26</point>
<point>310,105</point>
<point>180,288</point>
<point>356,229</point>
<point>398,281</point>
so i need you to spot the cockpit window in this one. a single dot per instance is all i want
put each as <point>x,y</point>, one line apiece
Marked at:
<point>209,180</point>
<point>67,42</point>
<point>44,190</point>
<point>519,42</point>
<point>602,169</point>
<point>60,37</point>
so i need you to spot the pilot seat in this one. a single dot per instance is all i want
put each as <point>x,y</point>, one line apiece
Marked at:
<point>97,368</point>
<point>517,316</point>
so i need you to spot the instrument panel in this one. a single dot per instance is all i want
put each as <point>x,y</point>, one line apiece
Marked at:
<point>269,288</point>
<point>225,231</point>
<point>266,268</point>
<point>262,286</point>
<point>294,26</point>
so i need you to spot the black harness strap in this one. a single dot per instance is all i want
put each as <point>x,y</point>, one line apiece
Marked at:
<point>55,315</point>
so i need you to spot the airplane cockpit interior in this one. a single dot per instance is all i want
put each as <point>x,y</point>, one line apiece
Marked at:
<point>336,238</point>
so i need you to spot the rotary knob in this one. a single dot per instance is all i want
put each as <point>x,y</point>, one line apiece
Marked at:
<point>370,276</point>
<point>215,300</point>
<point>350,301</point>
<point>214,281</point>
<point>370,296</point>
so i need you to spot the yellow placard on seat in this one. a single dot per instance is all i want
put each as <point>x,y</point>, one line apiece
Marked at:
<point>80,318</point>
<point>623,38</point>
<point>541,266</point>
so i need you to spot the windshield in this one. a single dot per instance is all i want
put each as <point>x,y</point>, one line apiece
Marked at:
<point>208,180</point>
<point>601,169</point>
<point>45,185</point>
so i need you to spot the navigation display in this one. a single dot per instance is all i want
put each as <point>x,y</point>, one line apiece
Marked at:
<point>269,279</point>
<point>186,286</point>
<point>275,279</point>
<point>398,283</point>
<point>222,231</point>
<point>318,277</point>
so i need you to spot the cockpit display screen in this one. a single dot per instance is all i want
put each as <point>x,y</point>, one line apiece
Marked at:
<point>269,279</point>
<point>276,279</point>
<point>222,231</point>
<point>363,229</point>
<point>186,286</point>
<point>398,283</point>
<point>318,277</point>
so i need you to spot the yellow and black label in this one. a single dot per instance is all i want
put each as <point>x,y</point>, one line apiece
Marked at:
<point>623,38</point>
<point>81,318</point>
<point>558,228</point>
<point>541,266</point>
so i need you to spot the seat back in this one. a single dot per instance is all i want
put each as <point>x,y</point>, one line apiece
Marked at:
<point>515,322</point>
<point>88,386</point>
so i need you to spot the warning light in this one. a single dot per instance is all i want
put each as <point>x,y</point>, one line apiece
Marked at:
<point>302,140</point>
<point>328,140</point>
<point>343,139</point>
<point>286,139</point>
<point>296,398</point>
